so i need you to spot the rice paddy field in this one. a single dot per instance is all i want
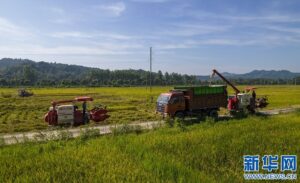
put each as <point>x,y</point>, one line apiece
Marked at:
<point>205,151</point>
<point>126,104</point>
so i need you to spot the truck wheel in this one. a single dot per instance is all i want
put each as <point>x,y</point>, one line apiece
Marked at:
<point>179,115</point>
<point>213,114</point>
<point>251,109</point>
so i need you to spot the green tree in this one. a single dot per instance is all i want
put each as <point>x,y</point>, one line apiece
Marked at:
<point>29,75</point>
<point>167,78</point>
<point>159,78</point>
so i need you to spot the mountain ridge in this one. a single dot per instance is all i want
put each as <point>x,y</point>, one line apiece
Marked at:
<point>258,74</point>
<point>44,67</point>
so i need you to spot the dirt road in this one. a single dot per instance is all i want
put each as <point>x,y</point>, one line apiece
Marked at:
<point>279,111</point>
<point>70,133</point>
<point>107,129</point>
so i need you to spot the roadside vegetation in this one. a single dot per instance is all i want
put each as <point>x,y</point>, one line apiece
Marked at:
<point>125,104</point>
<point>203,152</point>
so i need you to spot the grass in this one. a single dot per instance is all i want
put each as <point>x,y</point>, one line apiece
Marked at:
<point>125,104</point>
<point>205,152</point>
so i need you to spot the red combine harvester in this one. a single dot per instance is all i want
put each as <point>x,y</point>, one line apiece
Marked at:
<point>243,101</point>
<point>72,115</point>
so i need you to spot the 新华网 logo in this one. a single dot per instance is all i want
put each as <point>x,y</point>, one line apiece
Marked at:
<point>273,167</point>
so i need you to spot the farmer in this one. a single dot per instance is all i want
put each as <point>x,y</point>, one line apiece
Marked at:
<point>254,95</point>
<point>83,112</point>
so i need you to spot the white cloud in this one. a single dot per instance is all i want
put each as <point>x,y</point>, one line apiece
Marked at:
<point>284,29</point>
<point>6,26</point>
<point>267,18</point>
<point>116,36</point>
<point>170,46</point>
<point>270,17</point>
<point>115,9</point>
<point>59,16</point>
<point>229,42</point>
<point>11,31</point>
<point>87,35</point>
<point>194,29</point>
<point>259,40</point>
<point>92,47</point>
<point>151,1</point>
<point>60,50</point>
<point>56,10</point>
<point>61,20</point>
<point>235,29</point>
<point>73,34</point>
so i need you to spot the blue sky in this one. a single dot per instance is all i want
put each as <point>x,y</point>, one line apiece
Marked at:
<point>187,36</point>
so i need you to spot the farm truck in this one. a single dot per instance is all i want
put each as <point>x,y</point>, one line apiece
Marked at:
<point>207,100</point>
<point>70,114</point>
<point>192,100</point>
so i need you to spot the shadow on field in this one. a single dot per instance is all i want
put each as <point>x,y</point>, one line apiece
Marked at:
<point>259,114</point>
<point>223,118</point>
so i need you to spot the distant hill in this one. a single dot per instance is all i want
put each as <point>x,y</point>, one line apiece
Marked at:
<point>16,72</point>
<point>258,74</point>
<point>24,72</point>
<point>18,67</point>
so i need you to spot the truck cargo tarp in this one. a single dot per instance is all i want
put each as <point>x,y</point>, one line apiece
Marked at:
<point>203,90</point>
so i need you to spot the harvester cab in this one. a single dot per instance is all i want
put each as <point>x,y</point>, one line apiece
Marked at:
<point>72,114</point>
<point>260,102</point>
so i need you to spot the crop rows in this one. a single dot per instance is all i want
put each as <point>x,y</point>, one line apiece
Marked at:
<point>126,104</point>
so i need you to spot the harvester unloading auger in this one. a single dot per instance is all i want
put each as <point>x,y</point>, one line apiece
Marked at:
<point>246,100</point>
<point>72,115</point>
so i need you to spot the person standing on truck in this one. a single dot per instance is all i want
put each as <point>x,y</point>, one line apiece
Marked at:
<point>254,95</point>
<point>252,102</point>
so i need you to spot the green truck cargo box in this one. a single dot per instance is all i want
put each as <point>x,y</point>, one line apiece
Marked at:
<point>201,97</point>
<point>204,90</point>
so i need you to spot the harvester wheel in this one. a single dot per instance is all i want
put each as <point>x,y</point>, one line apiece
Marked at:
<point>252,111</point>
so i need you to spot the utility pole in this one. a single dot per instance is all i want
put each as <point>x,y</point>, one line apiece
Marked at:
<point>150,79</point>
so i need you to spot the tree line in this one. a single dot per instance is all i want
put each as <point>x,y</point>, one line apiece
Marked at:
<point>20,72</point>
<point>15,72</point>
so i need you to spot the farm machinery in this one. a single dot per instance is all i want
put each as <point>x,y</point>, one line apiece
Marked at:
<point>192,100</point>
<point>207,100</point>
<point>70,114</point>
<point>24,93</point>
<point>245,100</point>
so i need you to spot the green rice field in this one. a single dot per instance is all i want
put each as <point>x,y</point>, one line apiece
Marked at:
<point>203,152</point>
<point>125,104</point>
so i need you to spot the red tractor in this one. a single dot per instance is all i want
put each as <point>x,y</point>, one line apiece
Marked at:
<point>70,114</point>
